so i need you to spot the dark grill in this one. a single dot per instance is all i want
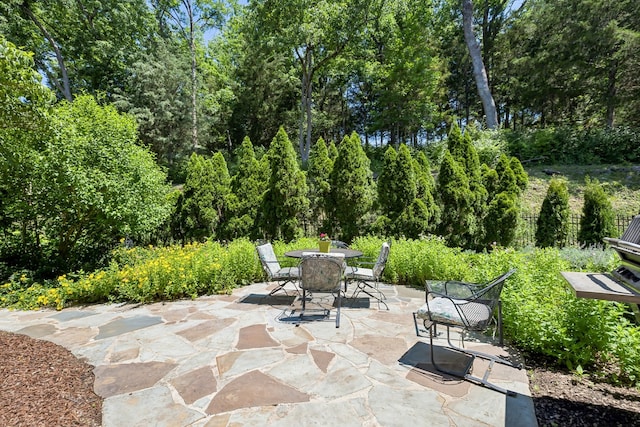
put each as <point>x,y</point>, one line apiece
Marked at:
<point>628,248</point>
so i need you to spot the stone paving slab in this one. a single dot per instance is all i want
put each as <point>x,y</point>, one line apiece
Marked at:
<point>240,360</point>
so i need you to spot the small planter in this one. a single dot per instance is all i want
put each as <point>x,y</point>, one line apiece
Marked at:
<point>324,246</point>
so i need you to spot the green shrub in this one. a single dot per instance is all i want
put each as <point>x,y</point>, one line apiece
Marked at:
<point>552,227</point>
<point>597,220</point>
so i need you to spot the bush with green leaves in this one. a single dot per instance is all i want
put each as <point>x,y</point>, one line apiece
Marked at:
<point>597,220</point>
<point>85,185</point>
<point>552,227</point>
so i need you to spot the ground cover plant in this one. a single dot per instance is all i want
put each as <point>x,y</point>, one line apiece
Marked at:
<point>541,315</point>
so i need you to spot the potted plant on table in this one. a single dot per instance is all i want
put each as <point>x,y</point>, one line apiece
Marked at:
<point>324,243</point>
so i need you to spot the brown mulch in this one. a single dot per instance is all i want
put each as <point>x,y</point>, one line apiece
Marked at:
<point>563,399</point>
<point>43,384</point>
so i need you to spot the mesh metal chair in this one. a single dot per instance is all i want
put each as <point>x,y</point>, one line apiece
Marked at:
<point>273,270</point>
<point>322,273</point>
<point>467,306</point>
<point>367,279</point>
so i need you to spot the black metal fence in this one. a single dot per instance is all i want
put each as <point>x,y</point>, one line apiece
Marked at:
<point>527,230</point>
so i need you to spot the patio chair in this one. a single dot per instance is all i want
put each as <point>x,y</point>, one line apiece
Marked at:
<point>469,307</point>
<point>322,273</point>
<point>276,273</point>
<point>367,279</point>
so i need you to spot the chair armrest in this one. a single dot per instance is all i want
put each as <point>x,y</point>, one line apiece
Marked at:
<point>453,288</point>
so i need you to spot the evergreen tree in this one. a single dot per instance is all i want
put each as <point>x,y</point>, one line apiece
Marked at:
<point>318,176</point>
<point>553,222</point>
<point>352,191</point>
<point>426,188</point>
<point>490,181</point>
<point>405,178</point>
<point>332,151</point>
<point>507,181</point>
<point>462,150</point>
<point>504,204</point>
<point>597,220</point>
<point>248,186</point>
<point>199,216</point>
<point>522,178</point>
<point>458,222</point>
<point>221,184</point>
<point>387,192</point>
<point>502,219</point>
<point>414,220</point>
<point>285,201</point>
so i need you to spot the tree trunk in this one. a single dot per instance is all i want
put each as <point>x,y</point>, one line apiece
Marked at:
<point>479,71</point>
<point>66,87</point>
<point>194,78</point>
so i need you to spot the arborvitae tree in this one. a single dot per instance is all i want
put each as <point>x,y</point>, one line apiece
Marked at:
<point>285,200</point>
<point>405,178</point>
<point>490,180</point>
<point>221,184</point>
<point>248,186</point>
<point>352,191</point>
<point>458,222</point>
<point>199,216</point>
<point>318,175</point>
<point>462,150</point>
<point>597,220</point>
<point>386,185</point>
<point>424,178</point>
<point>455,143</point>
<point>507,181</point>
<point>396,186</point>
<point>504,204</point>
<point>426,188</point>
<point>502,219</point>
<point>522,178</point>
<point>414,220</point>
<point>332,150</point>
<point>553,222</point>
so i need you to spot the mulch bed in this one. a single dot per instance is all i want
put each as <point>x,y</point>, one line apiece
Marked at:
<point>43,384</point>
<point>563,399</point>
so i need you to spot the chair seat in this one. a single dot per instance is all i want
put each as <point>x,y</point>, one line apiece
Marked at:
<point>286,273</point>
<point>444,310</point>
<point>359,273</point>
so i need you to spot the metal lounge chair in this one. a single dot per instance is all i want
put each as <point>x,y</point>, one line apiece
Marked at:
<point>367,279</point>
<point>273,270</point>
<point>322,273</point>
<point>469,307</point>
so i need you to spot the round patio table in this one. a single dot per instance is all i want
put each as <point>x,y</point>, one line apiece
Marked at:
<point>348,253</point>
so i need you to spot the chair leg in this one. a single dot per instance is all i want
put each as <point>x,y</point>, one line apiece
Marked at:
<point>466,373</point>
<point>338,309</point>
<point>362,286</point>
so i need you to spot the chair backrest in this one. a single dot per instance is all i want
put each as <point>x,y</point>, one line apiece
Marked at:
<point>321,272</point>
<point>488,296</point>
<point>381,263</point>
<point>268,259</point>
